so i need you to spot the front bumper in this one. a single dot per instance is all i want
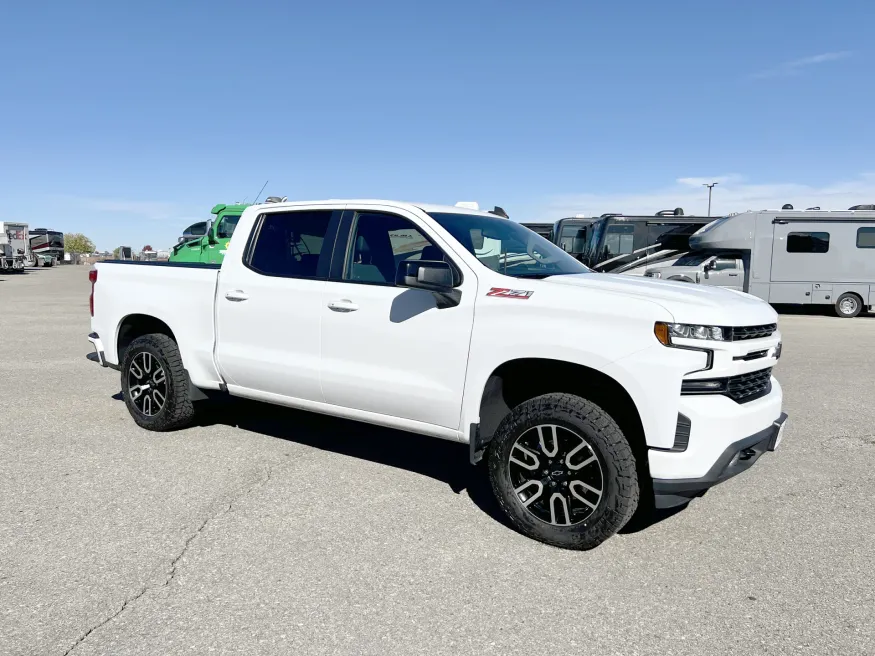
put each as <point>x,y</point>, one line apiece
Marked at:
<point>736,458</point>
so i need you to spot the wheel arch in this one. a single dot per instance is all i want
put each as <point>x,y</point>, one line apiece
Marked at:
<point>516,381</point>
<point>136,325</point>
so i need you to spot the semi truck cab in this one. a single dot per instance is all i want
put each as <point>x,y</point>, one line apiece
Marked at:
<point>206,242</point>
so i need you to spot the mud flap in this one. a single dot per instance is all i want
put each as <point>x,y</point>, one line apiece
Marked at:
<point>476,447</point>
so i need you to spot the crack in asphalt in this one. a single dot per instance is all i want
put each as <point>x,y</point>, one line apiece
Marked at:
<point>174,563</point>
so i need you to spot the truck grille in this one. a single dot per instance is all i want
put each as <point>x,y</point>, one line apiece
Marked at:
<point>753,332</point>
<point>748,387</point>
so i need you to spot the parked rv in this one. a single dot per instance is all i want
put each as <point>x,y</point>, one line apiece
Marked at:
<point>618,243</point>
<point>787,256</point>
<point>47,246</point>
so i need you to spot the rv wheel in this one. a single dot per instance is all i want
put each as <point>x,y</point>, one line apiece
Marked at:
<point>849,305</point>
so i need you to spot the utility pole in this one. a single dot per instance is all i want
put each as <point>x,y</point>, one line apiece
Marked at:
<point>710,186</point>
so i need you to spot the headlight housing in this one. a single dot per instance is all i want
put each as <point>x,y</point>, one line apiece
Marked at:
<point>666,332</point>
<point>653,274</point>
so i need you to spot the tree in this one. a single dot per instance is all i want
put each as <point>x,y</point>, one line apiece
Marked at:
<point>115,252</point>
<point>147,247</point>
<point>76,242</point>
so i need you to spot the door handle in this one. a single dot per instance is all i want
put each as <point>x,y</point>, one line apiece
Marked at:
<point>343,305</point>
<point>236,295</point>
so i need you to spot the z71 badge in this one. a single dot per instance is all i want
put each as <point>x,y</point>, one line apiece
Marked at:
<point>509,293</point>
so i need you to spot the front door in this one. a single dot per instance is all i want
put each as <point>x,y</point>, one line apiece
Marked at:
<point>386,349</point>
<point>725,271</point>
<point>269,305</point>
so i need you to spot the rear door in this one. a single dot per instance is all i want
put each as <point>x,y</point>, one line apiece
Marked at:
<point>268,305</point>
<point>387,349</point>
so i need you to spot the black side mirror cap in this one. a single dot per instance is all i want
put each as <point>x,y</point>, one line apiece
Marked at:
<point>434,276</point>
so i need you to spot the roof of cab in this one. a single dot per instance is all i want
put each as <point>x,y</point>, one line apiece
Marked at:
<point>425,207</point>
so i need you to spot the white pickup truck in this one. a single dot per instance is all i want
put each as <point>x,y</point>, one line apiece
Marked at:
<point>585,391</point>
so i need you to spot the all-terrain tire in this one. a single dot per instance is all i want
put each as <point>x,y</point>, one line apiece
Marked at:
<point>848,305</point>
<point>177,410</point>
<point>620,494</point>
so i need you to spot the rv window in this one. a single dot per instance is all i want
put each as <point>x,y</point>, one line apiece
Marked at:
<point>618,240</point>
<point>865,237</point>
<point>572,239</point>
<point>808,242</point>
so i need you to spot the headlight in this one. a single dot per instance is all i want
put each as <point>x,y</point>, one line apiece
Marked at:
<point>665,332</point>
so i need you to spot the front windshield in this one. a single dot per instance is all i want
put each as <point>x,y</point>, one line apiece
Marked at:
<point>693,259</point>
<point>508,247</point>
<point>227,226</point>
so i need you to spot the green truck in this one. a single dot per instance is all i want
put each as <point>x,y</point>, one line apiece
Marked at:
<point>207,241</point>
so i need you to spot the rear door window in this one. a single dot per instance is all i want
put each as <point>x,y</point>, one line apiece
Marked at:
<point>292,245</point>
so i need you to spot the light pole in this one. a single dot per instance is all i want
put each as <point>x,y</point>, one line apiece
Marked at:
<point>710,186</point>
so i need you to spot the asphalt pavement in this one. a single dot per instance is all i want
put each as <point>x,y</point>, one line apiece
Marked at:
<point>270,531</point>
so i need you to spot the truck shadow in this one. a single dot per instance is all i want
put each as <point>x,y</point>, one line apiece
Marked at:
<point>438,459</point>
<point>441,460</point>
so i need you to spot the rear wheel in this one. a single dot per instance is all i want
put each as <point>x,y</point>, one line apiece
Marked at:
<point>849,305</point>
<point>563,471</point>
<point>155,384</point>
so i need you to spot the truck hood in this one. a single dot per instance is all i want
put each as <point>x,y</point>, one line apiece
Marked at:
<point>686,302</point>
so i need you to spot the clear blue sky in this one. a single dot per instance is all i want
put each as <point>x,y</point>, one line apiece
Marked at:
<point>127,121</point>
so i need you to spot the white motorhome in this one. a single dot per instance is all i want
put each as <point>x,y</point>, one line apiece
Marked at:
<point>787,256</point>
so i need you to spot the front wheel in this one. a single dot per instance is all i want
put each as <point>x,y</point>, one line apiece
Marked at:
<point>563,472</point>
<point>155,384</point>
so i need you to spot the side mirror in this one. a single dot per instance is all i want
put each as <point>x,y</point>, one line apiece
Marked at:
<point>434,276</point>
<point>710,265</point>
<point>180,240</point>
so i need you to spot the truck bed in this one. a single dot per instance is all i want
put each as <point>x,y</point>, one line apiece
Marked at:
<point>180,294</point>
